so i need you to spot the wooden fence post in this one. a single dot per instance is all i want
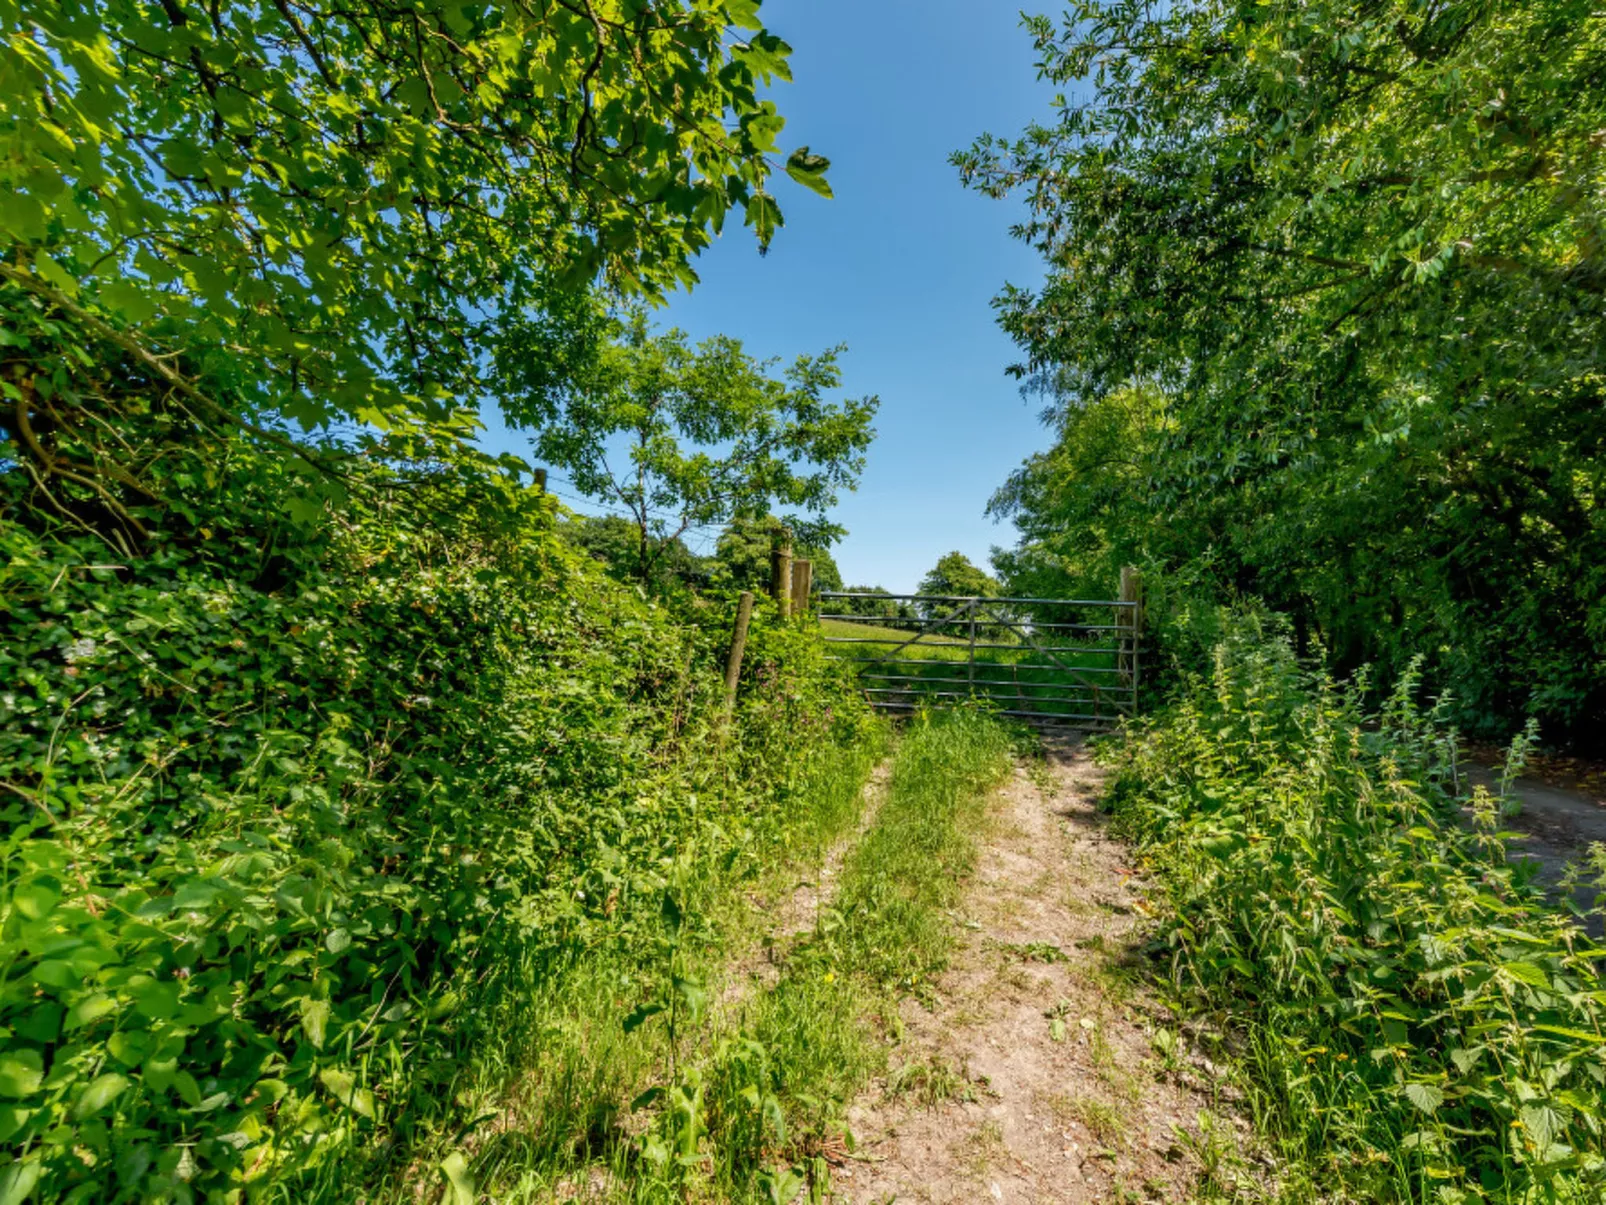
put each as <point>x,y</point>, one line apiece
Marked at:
<point>781,574</point>
<point>733,664</point>
<point>1131,620</point>
<point>802,584</point>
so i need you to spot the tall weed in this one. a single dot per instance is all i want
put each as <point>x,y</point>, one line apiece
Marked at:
<point>1419,1023</point>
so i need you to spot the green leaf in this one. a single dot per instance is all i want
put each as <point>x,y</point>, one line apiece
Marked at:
<point>650,1096</point>
<point>337,941</point>
<point>35,899</point>
<point>102,1090</point>
<point>639,1016</point>
<point>55,273</point>
<point>1527,972</point>
<point>22,217</point>
<point>128,298</point>
<point>764,215</point>
<point>21,1072</point>
<point>671,911</point>
<point>1427,1097</point>
<point>188,1090</point>
<point>809,170</point>
<point>17,1180</point>
<point>744,14</point>
<point>314,1020</point>
<point>693,995</point>
<point>1543,1124</point>
<point>54,972</point>
<point>12,1119</point>
<point>304,511</point>
<point>153,999</point>
<point>128,1047</point>
<point>90,1009</point>
<point>342,1085</point>
<point>1561,1031</point>
<point>41,1023</point>
<point>460,1185</point>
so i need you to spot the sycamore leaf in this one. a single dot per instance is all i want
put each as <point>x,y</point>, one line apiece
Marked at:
<point>55,274</point>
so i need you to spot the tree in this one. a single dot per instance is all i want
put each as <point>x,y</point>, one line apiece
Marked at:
<point>880,605</point>
<point>954,575</point>
<point>742,556</point>
<point>687,436</point>
<point>1082,509</point>
<point>1361,252</point>
<point>329,207</point>
<point>612,540</point>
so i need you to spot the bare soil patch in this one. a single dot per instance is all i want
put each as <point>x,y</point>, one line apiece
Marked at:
<point>1042,1071</point>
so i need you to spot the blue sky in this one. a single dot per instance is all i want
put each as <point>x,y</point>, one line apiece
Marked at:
<point>901,265</point>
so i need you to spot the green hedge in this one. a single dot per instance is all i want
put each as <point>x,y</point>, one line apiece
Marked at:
<point>289,806</point>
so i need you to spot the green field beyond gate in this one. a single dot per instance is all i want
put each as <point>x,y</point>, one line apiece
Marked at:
<point>1053,661</point>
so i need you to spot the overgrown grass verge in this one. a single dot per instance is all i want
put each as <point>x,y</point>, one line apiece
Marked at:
<point>1414,1021</point>
<point>566,1092</point>
<point>750,1111</point>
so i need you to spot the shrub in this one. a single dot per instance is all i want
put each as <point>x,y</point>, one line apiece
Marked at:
<point>1420,1024</point>
<point>286,805</point>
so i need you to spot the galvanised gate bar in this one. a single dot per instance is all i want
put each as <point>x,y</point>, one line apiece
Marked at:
<point>1053,661</point>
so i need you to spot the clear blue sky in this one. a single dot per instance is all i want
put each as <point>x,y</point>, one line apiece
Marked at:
<point>901,266</point>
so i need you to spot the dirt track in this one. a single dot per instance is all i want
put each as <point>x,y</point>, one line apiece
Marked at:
<point>1042,1071</point>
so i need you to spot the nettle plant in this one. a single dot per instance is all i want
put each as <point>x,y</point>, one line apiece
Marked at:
<point>1421,1022</point>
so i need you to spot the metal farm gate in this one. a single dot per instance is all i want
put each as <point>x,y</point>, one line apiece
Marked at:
<point>1050,660</point>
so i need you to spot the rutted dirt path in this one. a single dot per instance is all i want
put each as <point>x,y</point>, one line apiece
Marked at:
<point>1041,1071</point>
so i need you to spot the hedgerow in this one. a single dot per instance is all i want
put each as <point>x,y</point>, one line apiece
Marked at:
<point>291,800</point>
<point>1418,1021</point>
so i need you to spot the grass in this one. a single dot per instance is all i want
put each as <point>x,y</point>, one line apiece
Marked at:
<point>554,1080</point>
<point>618,1082</point>
<point>930,1081</point>
<point>1104,1121</point>
<point>1018,678</point>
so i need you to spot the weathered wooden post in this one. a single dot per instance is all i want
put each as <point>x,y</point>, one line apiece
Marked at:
<point>733,663</point>
<point>802,584</point>
<point>1130,620</point>
<point>781,573</point>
